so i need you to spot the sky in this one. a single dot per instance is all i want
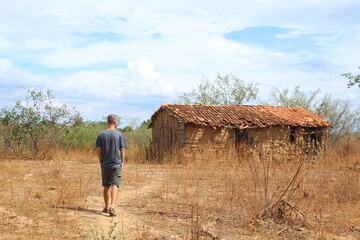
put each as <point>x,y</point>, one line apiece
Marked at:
<point>129,57</point>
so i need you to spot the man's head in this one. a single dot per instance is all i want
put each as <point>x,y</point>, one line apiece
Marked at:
<point>113,119</point>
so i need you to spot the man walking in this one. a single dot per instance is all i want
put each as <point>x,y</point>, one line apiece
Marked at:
<point>110,149</point>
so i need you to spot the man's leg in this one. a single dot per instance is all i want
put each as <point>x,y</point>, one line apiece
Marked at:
<point>107,197</point>
<point>113,195</point>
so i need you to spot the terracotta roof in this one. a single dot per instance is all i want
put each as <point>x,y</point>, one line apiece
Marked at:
<point>243,116</point>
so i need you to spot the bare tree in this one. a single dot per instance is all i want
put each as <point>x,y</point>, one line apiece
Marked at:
<point>223,90</point>
<point>340,113</point>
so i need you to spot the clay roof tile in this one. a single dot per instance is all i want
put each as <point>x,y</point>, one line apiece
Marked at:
<point>244,116</point>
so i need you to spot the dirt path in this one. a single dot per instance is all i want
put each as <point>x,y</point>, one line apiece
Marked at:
<point>131,222</point>
<point>126,223</point>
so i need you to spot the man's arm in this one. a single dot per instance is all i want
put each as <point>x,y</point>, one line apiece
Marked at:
<point>122,155</point>
<point>98,152</point>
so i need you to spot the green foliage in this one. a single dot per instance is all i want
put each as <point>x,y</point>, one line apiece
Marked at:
<point>223,90</point>
<point>353,79</point>
<point>83,136</point>
<point>32,127</point>
<point>141,136</point>
<point>343,117</point>
<point>127,129</point>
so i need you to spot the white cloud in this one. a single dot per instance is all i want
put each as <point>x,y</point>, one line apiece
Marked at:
<point>144,80</point>
<point>98,84</point>
<point>140,78</point>
<point>144,68</point>
<point>80,57</point>
<point>4,42</point>
<point>190,46</point>
<point>10,76</point>
<point>5,65</point>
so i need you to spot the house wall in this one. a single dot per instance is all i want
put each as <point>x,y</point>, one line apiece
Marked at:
<point>205,139</point>
<point>167,134</point>
<point>281,142</point>
<point>285,142</point>
<point>170,133</point>
<point>274,140</point>
<point>200,139</point>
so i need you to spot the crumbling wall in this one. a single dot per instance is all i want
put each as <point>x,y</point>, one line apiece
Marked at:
<point>274,141</point>
<point>167,134</point>
<point>281,142</point>
<point>204,140</point>
<point>286,142</point>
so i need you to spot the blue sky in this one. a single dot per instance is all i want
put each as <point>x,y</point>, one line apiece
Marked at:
<point>129,57</point>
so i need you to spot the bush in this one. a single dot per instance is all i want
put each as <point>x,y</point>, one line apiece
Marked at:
<point>81,137</point>
<point>138,141</point>
<point>34,126</point>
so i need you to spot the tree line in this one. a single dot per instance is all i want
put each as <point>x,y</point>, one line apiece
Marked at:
<point>342,114</point>
<point>33,127</point>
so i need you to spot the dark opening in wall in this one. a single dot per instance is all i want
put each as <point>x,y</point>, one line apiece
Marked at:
<point>312,137</point>
<point>292,135</point>
<point>242,137</point>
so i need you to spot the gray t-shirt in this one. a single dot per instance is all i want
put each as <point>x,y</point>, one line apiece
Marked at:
<point>110,142</point>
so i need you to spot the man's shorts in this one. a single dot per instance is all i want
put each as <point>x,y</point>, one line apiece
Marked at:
<point>110,176</point>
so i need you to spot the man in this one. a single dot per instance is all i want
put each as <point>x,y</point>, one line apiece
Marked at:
<point>110,149</point>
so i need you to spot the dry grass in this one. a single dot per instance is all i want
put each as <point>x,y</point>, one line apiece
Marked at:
<point>37,195</point>
<point>304,198</point>
<point>213,198</point>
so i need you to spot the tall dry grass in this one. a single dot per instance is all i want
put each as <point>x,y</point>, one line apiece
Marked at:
<point>303,198</point>
<point>211,197</point>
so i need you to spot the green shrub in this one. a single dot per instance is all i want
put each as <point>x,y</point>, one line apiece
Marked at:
<point>34,126</point>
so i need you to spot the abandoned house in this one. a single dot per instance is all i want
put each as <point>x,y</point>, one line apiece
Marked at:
<point>236,128</point>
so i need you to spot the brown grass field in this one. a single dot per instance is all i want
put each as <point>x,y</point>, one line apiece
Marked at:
<point>212,198</point>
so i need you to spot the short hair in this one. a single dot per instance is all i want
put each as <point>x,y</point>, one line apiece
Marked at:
<point>112,118</point>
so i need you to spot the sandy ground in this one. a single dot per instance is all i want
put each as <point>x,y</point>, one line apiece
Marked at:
<point>139,215</point>
<point>130,222</point>
<point>142,214</point>
<point>144,210</point>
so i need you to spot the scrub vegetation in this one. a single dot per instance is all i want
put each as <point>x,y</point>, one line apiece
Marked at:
<point>50,185</point>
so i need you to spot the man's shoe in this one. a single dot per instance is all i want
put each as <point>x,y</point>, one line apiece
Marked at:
<point>112,212</point>
<point>105,210</point>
